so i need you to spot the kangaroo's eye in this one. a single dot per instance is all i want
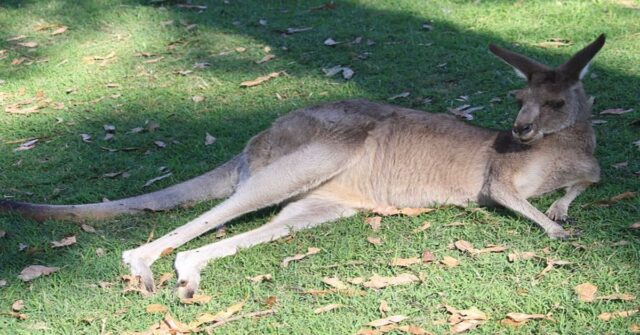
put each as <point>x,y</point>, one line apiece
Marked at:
<point>554,104</point>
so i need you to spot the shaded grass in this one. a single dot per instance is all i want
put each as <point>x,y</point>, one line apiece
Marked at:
<point>63,169</point>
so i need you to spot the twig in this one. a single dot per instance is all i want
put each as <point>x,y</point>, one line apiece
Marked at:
<point>241,316</point>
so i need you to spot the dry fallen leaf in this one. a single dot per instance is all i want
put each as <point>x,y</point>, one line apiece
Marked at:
<point>550,264</point>
<point>408,211</point>
<point>16,38</point>
<point>86,138</point>
<point>586,292</point>
<point>463,245</point>
<point>166,251</point>
<point>400,95</point>
<point>151,181</point>
<point>613,200</point>
<point>34,271</point>
<point>554,43</point>
<point>87,228</point>
<point>387,321</point>
<point>196,299</point>
<point>491,248</point>
<point>133,284</point>
<point>616,111</point>
<point>428,257</point>
<point>164,278</point>
<point>297,257</point>
<point>374,240</point>
<point>28,44</point>
<point>60,30</point>
<point>617,314</point>
<point>384,307</point>
<point>326,308</point>
<point>260,278</point>
<point>466,319</point>
<point>266,58</point>
<point>425,225</point>
<point>464,326</point>
<point>160,144</point>
<point>260,80</point>
<point>17,305</point>
<point>27,145</point>
<point>381,282</point>
<point>69,240</point>
<point>405,262</point>
<point>620,165</point>
<point>450,261</point>
<point>218,317</point>
<point>335,283</point>
<point>618,296</point>
<point>522,317</point>
<point>209,139</point>
<point>3,282</point>
<point>156,308</point>
<point>521,256</point>
<point>374,222</point>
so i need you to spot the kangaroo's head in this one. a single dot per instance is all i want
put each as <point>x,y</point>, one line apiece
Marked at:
<point>554,98</point>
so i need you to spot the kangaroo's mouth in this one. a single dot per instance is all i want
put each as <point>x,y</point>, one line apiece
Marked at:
<point>527,138</point>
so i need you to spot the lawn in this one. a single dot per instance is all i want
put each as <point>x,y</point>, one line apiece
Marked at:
<point>176,73</point>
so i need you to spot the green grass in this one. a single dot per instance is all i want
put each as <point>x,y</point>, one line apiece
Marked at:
<point>62,169</point>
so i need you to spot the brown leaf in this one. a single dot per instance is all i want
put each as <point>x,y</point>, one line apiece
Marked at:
<point>617,314</point>
<point>521,317</point>
<point>151,181</point>
<point>326,308</point>
<point>34,271</point>
<point>428,257</point>
<point>260,80</point>
<point>381,282</point>
<point>413,330</point>
<point>613,200</point>
<point>450,261</point>
<point>260,278</point>
<point>28,44</point>
<point>634,328</point>
<point>156,308</point>
<point>521,256</point>
<point>133,285</point>
<point>374,240</point>
<point>266,58</point>
<point>153,60</point>
<point>492,248</point>
<point>160,144</point>
<point>425,225</point>
<point>86,138</point>
<point>271,300</point>
<point>16,38</point>
<point>554,43</point>
<point>356,280</point>
<point>464,326</point>
<point>3,283</point>
<point>374,222</point>
<point>335,282</point>
<point>196,299</point>
<point>386,321</point>
<point>69,240</point>
<point>209,139</point>
<point>618,296</point>
<point>60,30</point>
<point>218,317</point>
<point>28,145</point>
<point>405,262</point>
<point>166,252</point>
<point>100,252</point>
<point>18,316</point>
<point>463,245</point>
<point>384,307</point>
<point>408,211</point>
<point>197,98</point>
<point>17,305</point>
<point>164,278</point>
<point>616,111</point>
<point>297,257</point>
<point>87,228</point>
<point>113,85</point>
<point>635,225</point>
<point>550,264</point>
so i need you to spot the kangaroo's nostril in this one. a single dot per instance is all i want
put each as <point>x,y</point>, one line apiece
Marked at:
<point>521,130</point>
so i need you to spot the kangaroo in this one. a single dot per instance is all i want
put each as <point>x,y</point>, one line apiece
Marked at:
<point>329,161</point>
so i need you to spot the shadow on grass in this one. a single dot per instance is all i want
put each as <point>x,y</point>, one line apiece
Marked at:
<point>442,64</point>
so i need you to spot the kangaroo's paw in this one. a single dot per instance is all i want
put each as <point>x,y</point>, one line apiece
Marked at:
<point>557,212</point>
<point>139,266</point>
<point>558,234</point>
<point>188,275</point>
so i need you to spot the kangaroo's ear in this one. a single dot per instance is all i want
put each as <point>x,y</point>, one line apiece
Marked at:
<point>525,67</point>
<point>576,67</point>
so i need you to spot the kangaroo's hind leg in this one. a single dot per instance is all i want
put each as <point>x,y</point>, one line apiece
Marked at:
<point>287,176</point>
<point>302,214</point>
